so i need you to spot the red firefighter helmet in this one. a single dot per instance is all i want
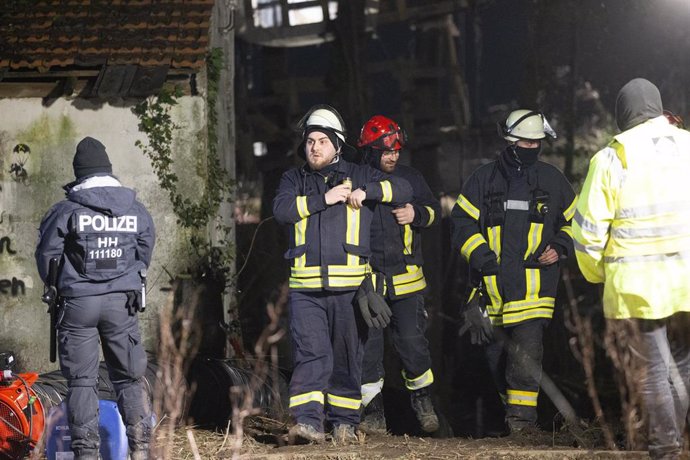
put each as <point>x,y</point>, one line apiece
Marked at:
<point>382,133</point>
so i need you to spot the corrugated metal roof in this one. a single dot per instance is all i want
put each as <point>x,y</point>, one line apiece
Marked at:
<point>45,34</point>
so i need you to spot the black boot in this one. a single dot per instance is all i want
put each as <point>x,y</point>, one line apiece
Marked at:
<point>373,416</point>
<point>424,410</point>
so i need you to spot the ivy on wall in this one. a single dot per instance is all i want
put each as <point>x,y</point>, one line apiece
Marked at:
<point>156,122</point>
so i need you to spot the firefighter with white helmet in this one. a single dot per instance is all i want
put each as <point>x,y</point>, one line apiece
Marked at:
<point>327,206</point>
<point>512,225</point>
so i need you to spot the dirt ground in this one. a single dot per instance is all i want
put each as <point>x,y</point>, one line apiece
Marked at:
<point>265,446</point>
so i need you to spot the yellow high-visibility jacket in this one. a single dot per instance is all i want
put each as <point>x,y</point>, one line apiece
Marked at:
<point>632,222</point>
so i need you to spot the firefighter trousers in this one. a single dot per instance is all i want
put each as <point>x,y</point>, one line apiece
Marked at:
<point>407,328</point>
<point>515,359</point>
<point>82,322</point>
<point>327,346</point>
<point>662,356</point>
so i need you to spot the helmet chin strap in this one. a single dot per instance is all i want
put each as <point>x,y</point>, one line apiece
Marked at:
<point>513,150</point>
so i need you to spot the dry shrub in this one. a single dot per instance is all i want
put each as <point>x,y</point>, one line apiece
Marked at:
<point>243,398</point>
<point>178,344</point>
<point>621,336</point>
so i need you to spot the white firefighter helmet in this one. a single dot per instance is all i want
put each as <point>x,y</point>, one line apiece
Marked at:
<point>526,125</point>
<point>324,116</point>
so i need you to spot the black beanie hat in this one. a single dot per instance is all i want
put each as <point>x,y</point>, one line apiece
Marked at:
<point>335,140</point>
<point>91,158</point>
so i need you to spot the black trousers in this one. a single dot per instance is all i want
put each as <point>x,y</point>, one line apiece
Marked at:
<point>515,360</point>
<point>327,344</point>
<point>83,322</point>
<point>407,328</point>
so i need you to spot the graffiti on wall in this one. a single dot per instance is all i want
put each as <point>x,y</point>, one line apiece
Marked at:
<point>14,286</point>
<point>20,154</point>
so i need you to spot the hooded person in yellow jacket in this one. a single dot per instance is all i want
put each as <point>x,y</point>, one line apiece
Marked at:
<point>632,233</point>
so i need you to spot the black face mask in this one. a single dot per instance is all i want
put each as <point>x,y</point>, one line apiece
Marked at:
<point>526,156</point>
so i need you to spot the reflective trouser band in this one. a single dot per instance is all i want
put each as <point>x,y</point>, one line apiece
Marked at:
<point>522,398</point>
<point>343,402</point>
<point>417,383</point>
<point>312,396</point>
<point>370,390</point>
<point>412,281</point>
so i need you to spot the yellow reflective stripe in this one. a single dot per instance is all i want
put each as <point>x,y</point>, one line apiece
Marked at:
<point>352,233</point>
<point>514,318</point>
<point>414,272</point>
<point>346,403</point>
<point>417,383</point>
<point>472,243</point>
<point>494,234</point>
<point>339,281</point>
<point>387,191</point>
<point>347,270</point>
<point>312,396</point>
<point>533,238</point>
<point>549,302</point>
<point>570,211</point>
<point>407,239</point>
<point>494,294</point>
<point>300,239</point>
<point>298,283</point>
<point>336,276</point>
<point>412,281</point>
<point>302,208</point>
<point>468,207</point>
<point>305,271</point>
<point>432,215</point>
<point>532,283</point>
<point>522,398</point>
<point>568,230</point>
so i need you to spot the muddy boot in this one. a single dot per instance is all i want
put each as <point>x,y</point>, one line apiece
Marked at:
<point>424,410</point>
<point>303,433</point>
<point>344,434</point>
<point>373,416</point>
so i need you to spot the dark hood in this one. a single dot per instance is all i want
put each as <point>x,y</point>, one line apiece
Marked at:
<point>638,101</point>
<point>112,201</point>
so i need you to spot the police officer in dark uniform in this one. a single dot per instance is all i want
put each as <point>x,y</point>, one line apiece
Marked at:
<point>512,224</point>
<point>397,253</point>
<point>327,205</point>
<point>103,238</point>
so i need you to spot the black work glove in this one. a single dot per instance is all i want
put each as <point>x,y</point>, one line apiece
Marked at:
<point>372,305</point>
<point>476,319</point>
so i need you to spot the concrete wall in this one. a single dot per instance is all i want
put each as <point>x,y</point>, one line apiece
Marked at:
<point>52,134</point>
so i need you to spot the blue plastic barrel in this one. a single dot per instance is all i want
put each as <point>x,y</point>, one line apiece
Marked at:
<point>110,428</point>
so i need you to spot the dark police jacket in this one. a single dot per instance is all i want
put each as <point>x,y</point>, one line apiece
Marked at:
<point>102,236</point>
<point>329,246</point>
<point>509,215</point>
<point>397,249</point>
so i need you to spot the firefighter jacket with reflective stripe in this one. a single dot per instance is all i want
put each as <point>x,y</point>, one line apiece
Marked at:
<point>329,246</point>
<point>103,238</point>
<point>632,225</point>
<point>509,214</point>
<point>397,249</point>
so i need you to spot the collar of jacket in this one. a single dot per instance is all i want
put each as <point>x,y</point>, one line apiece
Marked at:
<point>511,169</point>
